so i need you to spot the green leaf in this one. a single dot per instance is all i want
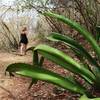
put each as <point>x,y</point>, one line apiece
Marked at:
<point>98,33</point>
<point>65,61</point>
<point>75,46</point>
<point>39,73</point>
<point>35,58</point>
<point>41,61</point>
<point>34,81</point>
<point>84,97</point>
<point>77,27</point>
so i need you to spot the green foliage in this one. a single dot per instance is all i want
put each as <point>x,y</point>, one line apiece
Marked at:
<point>74,45</point>
<point>84,97</point>
<point>65,61</point>
<point>36,72</point>
<point>88,36</point>
<point>98,33</point>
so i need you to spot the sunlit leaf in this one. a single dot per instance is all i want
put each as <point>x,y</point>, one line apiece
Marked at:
<point>39,73</point>
<point>88,36</point>
<point>65,61</point>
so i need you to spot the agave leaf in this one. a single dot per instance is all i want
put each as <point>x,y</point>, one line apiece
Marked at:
<point>35,58</point>
<point>98,33</point>
<point>82,60</point>
<point>34,55</point>
<point>77,27</point>
<point>65,61</point>
<point>72,79</point>
<point>30,49</point>
<point>98,28</point>
<point>41,61</point>
<point>80,57</point>
<point>75,46</point>
<point>34,81</point>
<point>84,97</point>
<point>39,73</point>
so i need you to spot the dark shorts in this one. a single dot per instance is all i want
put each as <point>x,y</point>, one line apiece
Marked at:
<point>24,39</point>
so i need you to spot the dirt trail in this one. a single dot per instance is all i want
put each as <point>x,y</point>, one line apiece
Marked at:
<point>8,58</point>
<point>16,88</point>
<point>12,88</point>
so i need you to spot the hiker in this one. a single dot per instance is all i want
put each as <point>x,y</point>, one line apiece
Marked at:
<point>23,41</point>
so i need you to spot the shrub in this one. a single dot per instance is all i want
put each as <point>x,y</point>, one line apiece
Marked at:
<point>88,68</point>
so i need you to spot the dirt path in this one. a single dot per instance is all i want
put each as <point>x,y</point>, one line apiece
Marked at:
<point>12,88</point>
<point>8,58</point>
<point>16,88</point>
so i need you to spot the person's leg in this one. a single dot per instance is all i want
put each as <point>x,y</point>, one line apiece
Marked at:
<point>22,49</point>
<point>25,48</point>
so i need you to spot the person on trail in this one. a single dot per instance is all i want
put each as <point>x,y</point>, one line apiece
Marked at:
<point>23,41</point>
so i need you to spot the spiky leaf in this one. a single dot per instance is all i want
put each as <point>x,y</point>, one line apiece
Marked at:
<point>39,73</point>
<point>65,61</point>
<point>88,36</point>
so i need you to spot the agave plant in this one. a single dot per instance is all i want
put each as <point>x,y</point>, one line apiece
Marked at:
<point>36,71</point>
<point>98,33</point>
<point>84,97</point>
